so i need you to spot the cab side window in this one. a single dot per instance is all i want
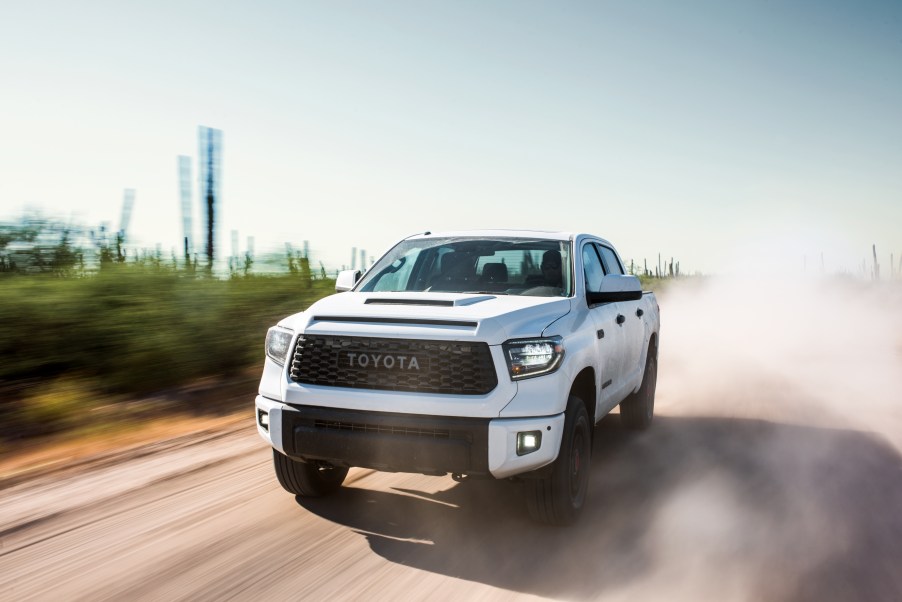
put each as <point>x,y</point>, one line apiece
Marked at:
<point>592,267</point>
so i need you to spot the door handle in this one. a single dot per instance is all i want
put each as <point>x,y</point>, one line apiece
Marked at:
<point>639,313</point>
<point>620,319</point>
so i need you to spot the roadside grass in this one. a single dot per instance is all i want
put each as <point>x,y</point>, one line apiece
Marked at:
<point>75,353</point>
<point>661,285</point>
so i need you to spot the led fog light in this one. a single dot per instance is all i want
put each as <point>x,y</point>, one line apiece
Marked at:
<point>528,442</point>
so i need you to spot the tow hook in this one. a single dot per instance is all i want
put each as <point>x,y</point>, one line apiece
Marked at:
<point>460,478</point>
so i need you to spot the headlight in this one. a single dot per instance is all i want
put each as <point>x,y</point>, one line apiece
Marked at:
<point>533,357</point>
<point>278,341</point>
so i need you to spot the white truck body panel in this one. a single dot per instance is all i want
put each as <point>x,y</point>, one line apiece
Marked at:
<point>610,340</point>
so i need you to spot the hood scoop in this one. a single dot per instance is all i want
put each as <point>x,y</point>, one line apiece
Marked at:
<point>409,321</point>
<point>428,302</point>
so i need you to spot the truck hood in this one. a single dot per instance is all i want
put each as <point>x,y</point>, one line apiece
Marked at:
<point>443,316</point>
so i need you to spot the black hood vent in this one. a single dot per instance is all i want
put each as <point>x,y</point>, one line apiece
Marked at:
<point>378,320</point>
<point>431,302</point>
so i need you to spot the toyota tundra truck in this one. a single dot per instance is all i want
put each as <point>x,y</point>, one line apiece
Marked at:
<point>480,354</point>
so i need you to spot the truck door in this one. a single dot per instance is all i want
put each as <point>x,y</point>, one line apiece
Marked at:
<point>632,325</point>
<point>609,337</point>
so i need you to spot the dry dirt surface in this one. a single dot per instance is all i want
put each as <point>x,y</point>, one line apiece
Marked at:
<point>772,472</point>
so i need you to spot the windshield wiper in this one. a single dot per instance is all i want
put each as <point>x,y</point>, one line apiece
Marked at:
<point>483,293</point>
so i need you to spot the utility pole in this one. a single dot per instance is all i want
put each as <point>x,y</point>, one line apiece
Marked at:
<point>185,198</point>
<point>210,142</point>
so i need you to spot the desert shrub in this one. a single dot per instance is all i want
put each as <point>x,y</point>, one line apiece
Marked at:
<point>134,329</point>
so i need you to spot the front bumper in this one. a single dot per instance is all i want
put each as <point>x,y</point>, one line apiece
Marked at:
<point>407,442</point>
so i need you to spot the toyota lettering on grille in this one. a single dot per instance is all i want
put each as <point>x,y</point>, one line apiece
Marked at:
<point>377,361</point>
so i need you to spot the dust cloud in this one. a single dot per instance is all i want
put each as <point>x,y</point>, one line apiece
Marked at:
<point>809,351</point>
<point>774,460</point>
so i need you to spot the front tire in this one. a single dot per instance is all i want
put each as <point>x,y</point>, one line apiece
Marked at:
<point>558,498</point>
<point>637,410</point>
<point>307,479</point>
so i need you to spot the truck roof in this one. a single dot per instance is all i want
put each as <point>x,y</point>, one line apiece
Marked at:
<point>503,233</point>
<point>549,234</point>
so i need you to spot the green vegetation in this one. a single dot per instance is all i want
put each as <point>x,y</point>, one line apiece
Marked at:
<point>85,326</point>
<point>127,331</point>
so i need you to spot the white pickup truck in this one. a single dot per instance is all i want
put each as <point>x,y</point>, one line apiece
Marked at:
<point>487,353</point>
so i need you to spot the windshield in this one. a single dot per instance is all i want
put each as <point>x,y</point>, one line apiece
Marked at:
<point>511,266</point>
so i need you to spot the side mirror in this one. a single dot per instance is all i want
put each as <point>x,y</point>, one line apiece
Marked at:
<point>616,287</point>
<point>346,280</point>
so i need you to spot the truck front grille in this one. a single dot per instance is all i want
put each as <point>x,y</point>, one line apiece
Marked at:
<point>394,364</point>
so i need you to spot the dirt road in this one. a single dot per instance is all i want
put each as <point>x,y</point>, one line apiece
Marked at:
<point>747,487</point>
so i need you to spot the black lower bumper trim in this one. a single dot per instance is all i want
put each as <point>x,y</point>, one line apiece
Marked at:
<point>387,441</point>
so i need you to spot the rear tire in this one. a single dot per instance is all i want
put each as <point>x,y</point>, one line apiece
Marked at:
<point>307,479</point>
<point>558,498</point>
<point>638,410</point>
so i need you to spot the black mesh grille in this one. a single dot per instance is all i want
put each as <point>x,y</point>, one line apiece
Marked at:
<point>394,364</point>
<point>382,429</point>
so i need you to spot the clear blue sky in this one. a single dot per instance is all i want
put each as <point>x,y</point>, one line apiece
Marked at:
<point>708,131</point>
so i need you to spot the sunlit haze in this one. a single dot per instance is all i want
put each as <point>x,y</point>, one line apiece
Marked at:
<point>714,133</point>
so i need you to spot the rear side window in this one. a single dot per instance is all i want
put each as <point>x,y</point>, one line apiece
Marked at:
<point>610,261</point>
